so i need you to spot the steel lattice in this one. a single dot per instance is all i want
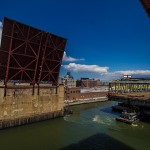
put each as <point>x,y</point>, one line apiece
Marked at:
<point>28,54</point>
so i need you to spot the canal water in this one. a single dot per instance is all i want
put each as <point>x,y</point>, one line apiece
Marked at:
<point>91,127</point>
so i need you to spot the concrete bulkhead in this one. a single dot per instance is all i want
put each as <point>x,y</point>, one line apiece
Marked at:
<point>20,106</point>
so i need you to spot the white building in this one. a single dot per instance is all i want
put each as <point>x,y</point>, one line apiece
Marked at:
<point>69,81</point>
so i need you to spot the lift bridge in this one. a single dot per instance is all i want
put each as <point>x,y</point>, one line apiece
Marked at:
<point>29,56</point>
<point>30,61</point>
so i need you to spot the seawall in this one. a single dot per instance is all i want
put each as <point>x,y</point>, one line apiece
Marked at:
<point>100,99</point>
<point>141,99</point>
<point>20,106</point>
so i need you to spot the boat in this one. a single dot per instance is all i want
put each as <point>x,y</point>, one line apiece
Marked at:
<point>128,117</point>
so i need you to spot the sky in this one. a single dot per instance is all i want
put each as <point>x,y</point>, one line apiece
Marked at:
<point>105,38</point>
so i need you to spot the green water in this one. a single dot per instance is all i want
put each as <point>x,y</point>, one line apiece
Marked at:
<point>91,127</point>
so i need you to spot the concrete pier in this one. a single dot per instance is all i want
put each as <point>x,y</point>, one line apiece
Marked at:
<point>20,106</point>
<point>7,123</point>
<point>139,99</point>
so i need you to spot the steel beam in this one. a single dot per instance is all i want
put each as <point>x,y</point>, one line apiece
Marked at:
<point>33,55</point>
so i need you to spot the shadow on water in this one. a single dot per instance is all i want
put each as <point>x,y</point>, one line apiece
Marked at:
<point>110,111</point>
<point>98,142</point>
<point>145,119</point>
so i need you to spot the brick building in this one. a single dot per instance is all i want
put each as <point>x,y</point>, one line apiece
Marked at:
<point>75,94</point>
<point>87,82</point>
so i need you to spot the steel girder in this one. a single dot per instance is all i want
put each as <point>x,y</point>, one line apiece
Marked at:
<point>29,55</point>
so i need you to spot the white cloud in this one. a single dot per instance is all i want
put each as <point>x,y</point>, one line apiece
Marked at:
<point>1,25</point>
<point>131,72</point>
<point>0,33</point>
<point>102,72</point>
<point>71,59</point>
<point>85,68</point>
<point>119,74</point>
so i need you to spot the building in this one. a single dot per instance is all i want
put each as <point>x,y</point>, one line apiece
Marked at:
<point>89,83</point>
<point>76,94</point>
<point>68,80</point>
<point>125,85</point>
<point>72,93</point>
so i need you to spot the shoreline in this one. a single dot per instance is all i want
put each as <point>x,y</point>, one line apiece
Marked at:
<point>101,99</point>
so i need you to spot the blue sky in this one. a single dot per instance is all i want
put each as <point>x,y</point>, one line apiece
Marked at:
<point>106,38</point>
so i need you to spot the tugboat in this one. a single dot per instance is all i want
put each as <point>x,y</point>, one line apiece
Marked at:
<point>128,117</point>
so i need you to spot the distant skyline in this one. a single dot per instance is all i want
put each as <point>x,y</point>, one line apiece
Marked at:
<point>106,39</point>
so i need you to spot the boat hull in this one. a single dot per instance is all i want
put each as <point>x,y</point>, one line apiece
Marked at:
<point>127,120</point>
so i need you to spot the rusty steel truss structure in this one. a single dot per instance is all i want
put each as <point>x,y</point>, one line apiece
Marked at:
<point>146,5</point>
<point>29,55</point>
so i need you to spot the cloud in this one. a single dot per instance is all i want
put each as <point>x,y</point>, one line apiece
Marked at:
<point>102,72</point>
<point>131,72</point>
<point>0,33</point>
<point>1,25</point>
<point>86,68</point>
<point>71,59</point>
<point>119,74</point>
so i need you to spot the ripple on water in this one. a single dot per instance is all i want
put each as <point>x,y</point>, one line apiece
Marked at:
<point>102,120</point>
<point>110,123</point>
<point>99,119</point>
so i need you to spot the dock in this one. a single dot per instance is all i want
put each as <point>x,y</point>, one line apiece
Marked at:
<point>140,99</point>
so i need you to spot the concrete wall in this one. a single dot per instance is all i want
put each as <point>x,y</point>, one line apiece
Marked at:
<point>20,103</point>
